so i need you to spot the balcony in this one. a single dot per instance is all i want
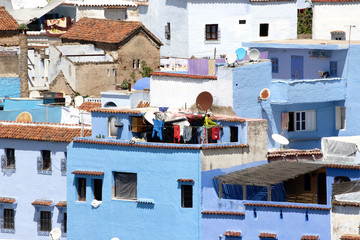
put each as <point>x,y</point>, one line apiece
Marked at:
<point>307,90</point>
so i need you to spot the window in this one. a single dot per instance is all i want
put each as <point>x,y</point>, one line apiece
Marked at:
<point>341,179</point>
<point>167,31</point>
<point>97,189</point>
<point>333,68</point>
<point>186,196</point>
<point>340,114</point>
<point>10,157</point>
<point>46,160</point>
<point>275,65</point>
<point>302,121</point>
<point>134,64</point>
<point>65,223</point>
<point>112,129</point>
<point>242,21</point>
<point>138,64</point>
<point>45,221</point>
<point>108,72</point>
<point>81,184</point>
<point>307,182</point>
<point>234,131</point>
<point>9,220</point>
<point>125,185</point>
<point>338,35</point>
<point>211,31</point>
<point>264,29</point>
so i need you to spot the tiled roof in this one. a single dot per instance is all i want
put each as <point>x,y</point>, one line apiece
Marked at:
<point>228,119</point>
<point>112,110</point>
<point>91,173</point>
<point>286,153</point>
<point>42,203</point>
<point>143,104</point>
<point>343,166</point>
<point>350,237</point>
<point>185,180</point>
<point>345,203</point>
<point>310,237</point>
<point>167,74</point>
<point>105,30</point>
<point>232,234</point>
<point>62,204</point>
<point>88,106</point>
<point>7,22</point>
<point>7,200</point>
<point>41,131</point>
<point>337,31</point>
<point>160,146</point>
<point>267,235</point>
<point>286,206</point>
<point>223,213</point>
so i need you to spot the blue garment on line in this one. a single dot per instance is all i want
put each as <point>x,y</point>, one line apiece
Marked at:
<point>158,128</point>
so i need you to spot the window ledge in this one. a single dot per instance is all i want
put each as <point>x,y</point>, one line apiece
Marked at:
<point>212,41</point>
<point>123,199</point>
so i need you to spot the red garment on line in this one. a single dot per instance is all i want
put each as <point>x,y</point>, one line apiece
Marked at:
<point>177,133</point>
<point>215,133</point>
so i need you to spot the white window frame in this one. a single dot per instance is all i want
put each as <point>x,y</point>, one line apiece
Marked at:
<point>309,121</point>
<point>340,118</point>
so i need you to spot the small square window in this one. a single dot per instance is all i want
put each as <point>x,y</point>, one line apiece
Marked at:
<point>9,219</point>
<point>45,221</point>
<point>242,21</point>
<point>234,132</point>
<point>186,196</point>
<point>138,64</point>
<point>134,64</point>
<point>211,31</point>
<point>81,187</point>
<point>125,185</point>
<point>264,29</point>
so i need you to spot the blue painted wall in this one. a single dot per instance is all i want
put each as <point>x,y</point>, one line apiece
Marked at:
<point>157,173</point>
<point>10,87</point>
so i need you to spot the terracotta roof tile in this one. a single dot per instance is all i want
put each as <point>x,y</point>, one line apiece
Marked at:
<point>143,104</point>
<point>350,237</point>
<point>343,166</point>
<point>41,131</point>
<point>286,153</point>
<point>344,203</point>
<point>112,110</point>
<point>167,74</point>
<point>62,204</point>
<point>267,235</point>
<point>186,180</point>
<point>310,237</point>
<point>88,106</point>
<point>223,213</point>
<point>228,119</point>
<point>42,203</point>
<point>7,22</point>
<point>286,206</point>
<point>104,30</point>
<point>91,173</point>
<point>334,0</point>
<point>232,234</point>
<point>7,200</point>
<point>160,146</point>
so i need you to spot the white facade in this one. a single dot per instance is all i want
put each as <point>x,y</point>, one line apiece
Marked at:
<point>342,16</point>
<point>188,21</point>
<point>344,220</point>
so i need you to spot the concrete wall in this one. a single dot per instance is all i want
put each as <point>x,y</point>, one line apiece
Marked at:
<point>344,220</point>
<point>157,173</point>
<point>26,186</point>
<point>344,15</point>
<point>10,86</point>
<point>90,12</point>
<point>9,65</point>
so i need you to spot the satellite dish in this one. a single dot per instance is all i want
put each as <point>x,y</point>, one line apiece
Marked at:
<point>24,117</point>
<point>254,54</point>
<point>241,53</point>
<point>78,101</point>
<point>55,234</point>
<point>280,139</point>
<point>231,58</point>
<point>264,94</point>
<point>67,100</point>
<point>149,116</point>
<point>34,94</point>
<point>204,101</point>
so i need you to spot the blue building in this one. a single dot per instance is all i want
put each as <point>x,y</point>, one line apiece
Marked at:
<point>129,184</point>
<point>33,178</point>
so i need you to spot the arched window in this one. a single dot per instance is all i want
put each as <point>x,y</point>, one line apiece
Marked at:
<point>112,129</point>
<point>110,104</point>
<point>341,179</point>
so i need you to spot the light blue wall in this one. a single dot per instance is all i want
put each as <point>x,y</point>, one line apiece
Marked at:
<point>157,173</point>
<point>10,87</point>
<point>26,186</point>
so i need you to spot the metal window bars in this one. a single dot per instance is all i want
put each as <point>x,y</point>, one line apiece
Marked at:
<point>7,164</point>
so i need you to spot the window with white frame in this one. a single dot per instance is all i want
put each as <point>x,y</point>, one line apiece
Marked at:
<point>340,114</point>
<point>302,121</point>
<point>211,32</point>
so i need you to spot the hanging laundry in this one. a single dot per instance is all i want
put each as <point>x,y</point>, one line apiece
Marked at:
<point>215,133</point>
<point>187,134</point>
<point>158,128</point>
<point>177,133</point>
<point>208,122</point>
<point>203,135</point>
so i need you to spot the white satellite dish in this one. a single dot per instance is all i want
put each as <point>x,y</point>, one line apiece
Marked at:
<point>231,58</point>
<point>78,101</point>
<point>67,100</point>
<point>34,94</point>
<point>280,139</point>
<point>55,234</point>
<point>254,54</point>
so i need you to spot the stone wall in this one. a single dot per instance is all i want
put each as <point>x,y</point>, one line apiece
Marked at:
<point>9,65</point>
<point>9,38</point>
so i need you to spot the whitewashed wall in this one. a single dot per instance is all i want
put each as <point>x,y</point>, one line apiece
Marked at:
<point>345,220</point>
<point>90,12</point>
<point>178,91</point>
<point>328,17</point>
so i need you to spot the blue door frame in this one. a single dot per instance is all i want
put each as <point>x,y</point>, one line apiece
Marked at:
<point>297,67</point>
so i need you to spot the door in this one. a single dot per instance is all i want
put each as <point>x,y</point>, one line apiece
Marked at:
<point>321,178</point>
<point>297,67</point>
